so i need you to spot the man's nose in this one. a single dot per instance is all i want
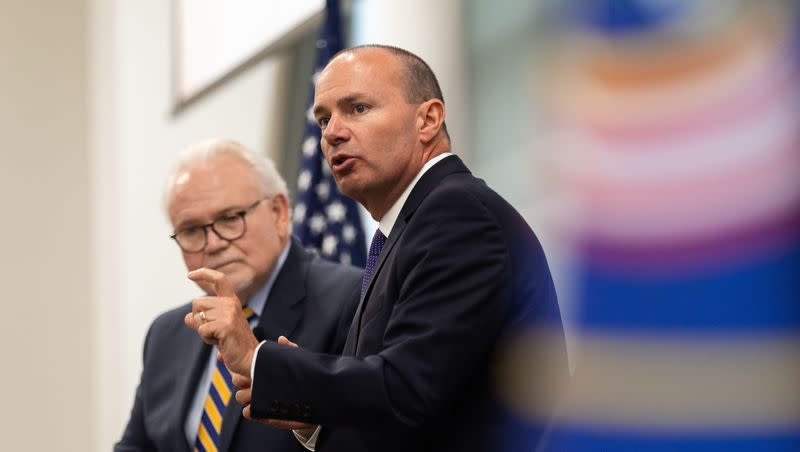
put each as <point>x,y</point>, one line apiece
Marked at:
<point>335,132</point>
<point>214,242</point>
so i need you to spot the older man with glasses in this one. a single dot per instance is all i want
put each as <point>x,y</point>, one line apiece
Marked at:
<point>230,212</point>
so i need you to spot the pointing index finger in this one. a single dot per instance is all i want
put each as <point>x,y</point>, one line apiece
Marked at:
<point>212,278</point>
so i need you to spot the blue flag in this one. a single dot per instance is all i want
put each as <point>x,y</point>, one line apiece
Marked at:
<point>323,218</point>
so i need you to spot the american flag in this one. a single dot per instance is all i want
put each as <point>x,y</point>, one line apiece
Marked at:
<point>323,218</point>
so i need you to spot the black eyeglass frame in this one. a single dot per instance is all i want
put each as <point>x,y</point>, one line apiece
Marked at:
<point>241,214</point>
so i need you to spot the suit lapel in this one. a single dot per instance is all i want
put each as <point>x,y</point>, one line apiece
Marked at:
<point>350,342</point>
<point>197,352</point>
<point>282,311</point>
<point>280,316</point>
<point>425,184</point>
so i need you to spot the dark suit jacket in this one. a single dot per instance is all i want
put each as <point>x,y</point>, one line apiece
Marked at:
<point>311,302</point>
<point>460,268</point>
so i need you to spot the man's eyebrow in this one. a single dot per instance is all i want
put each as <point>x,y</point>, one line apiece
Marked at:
<point>341,103</point>
<point>217,215</point>
<point>347,100</point>
<point>187,224</point>
<point>318,110</point>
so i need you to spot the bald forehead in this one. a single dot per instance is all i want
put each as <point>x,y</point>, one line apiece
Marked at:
<point>226,161</point>
<point>365,57</point>
<point>207,172</point>
<point>365,53</point>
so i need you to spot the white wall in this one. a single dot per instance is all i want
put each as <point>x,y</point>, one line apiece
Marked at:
<point>45,309</point>
<point>137,271</point>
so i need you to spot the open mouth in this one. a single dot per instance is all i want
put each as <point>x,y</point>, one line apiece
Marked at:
<point>341,162</point>
<point>338,160</point>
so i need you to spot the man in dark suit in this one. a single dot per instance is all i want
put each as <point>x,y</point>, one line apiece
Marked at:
<point>229,208</point>
<point>455,272</point>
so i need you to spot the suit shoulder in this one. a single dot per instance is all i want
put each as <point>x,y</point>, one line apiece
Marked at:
<point>173,315</point>
<point>459,191</point>
<point>461,185</point>
<point>323,272</point>
<point>168,322</point>
<point>460,195</point>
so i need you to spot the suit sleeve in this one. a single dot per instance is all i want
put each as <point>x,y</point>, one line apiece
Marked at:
<point>453,277</point>
<point>135,438</point>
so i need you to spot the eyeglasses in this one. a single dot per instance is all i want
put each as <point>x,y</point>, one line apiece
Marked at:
<point>228,227</point>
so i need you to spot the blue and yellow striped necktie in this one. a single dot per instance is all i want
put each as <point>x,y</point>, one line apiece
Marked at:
<point>219,394</point>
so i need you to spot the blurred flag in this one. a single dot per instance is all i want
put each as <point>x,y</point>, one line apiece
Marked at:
<point>323,218</point>
<point>677,126</point>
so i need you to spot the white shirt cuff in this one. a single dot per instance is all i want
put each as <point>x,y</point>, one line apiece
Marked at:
<point>309,443</point>
<point>253,364</point>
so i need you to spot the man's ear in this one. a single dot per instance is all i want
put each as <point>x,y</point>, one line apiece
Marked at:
<point>279,204</point>
<point>430,118</point>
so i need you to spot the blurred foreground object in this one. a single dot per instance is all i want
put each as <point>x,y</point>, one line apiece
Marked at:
<point>676,147</point>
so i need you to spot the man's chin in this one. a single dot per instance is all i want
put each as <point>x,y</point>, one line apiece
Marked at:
<point>243,287</point>
<point>351,188</point>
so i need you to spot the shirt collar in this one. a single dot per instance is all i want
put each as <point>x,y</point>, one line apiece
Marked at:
<point>259,299</point>
<point>386,223</point>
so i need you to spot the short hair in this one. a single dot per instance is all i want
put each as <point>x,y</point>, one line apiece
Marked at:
<point>419,80</point>
<point>263,168</point>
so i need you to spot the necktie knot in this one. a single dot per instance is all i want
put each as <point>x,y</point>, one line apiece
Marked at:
<point>249,314</point>
<point>372,259</point>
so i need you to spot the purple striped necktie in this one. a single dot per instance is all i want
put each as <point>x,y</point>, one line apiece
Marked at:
<point>372,258</point>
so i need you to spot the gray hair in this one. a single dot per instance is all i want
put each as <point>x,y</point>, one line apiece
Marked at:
<point>264,170</point>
